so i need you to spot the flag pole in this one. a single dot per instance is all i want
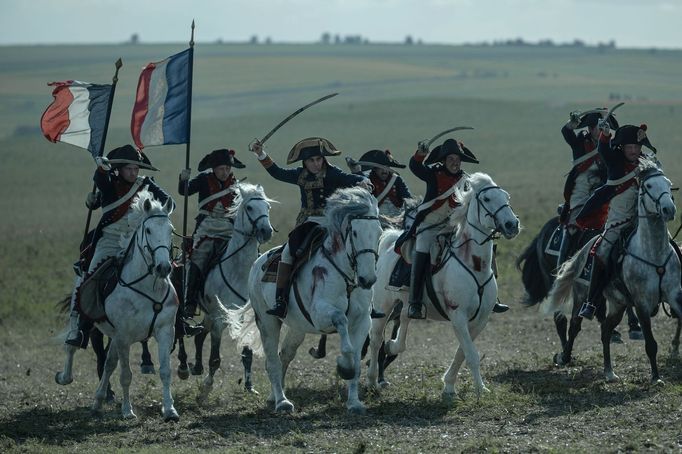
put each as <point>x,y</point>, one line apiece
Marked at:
<point>100,152</point>
<point>185,247</point>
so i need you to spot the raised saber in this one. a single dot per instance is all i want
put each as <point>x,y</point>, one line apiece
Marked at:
<point>283,122</point>
<point>610,112</point>
<point>441,134</point>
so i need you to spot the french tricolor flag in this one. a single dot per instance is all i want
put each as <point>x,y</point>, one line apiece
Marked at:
<point>161,112</point>
<point>78,114</point>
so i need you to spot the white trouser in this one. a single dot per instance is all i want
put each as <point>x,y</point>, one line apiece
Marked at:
<point>585,184</point>
<point>210,230</point>
<point>429,228</point>
<point>622,211</point>
<point>109,244</point>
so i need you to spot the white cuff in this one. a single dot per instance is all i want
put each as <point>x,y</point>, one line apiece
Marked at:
<point>262,156</point>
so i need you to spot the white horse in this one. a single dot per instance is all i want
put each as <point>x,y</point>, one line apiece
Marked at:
<point>464,283</point>
<point>142,305</point>
<point>649,274</point>
<point>328,295</point>
<point>226,284</point>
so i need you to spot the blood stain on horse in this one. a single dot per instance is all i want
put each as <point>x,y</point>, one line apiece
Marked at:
<point>319,274</point>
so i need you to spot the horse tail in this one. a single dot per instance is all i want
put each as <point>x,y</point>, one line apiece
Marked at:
<point>530,264</point>
<point>387,239</point>
<point>243,329</point>
<point>64,304</point>
<point>561,295</point>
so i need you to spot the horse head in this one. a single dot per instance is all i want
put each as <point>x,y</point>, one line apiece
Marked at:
<point>488,206</point>
<point>655,196</point>
<point>153,230</point>
<point>352,219</point>
<point>251,212</point>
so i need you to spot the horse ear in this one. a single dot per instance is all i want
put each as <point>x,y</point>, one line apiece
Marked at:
<point>147,205</point>
<point>260,188</point>
<point>241,191</point>
<point>168,206</point>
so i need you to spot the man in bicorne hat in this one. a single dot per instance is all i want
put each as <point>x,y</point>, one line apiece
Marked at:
<point>216,187</point>
<point>317,180</point>
<point>390,189</point>
<point>619,194</point>
<point>118,181</point>
<point>442,173</point>
<point>587,174</point>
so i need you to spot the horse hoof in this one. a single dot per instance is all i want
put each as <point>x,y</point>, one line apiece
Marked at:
<point>196,369</point>
<point>284,407</point>
<point>657,382</point>
<point>559,360</point>
<point>482,391</point>
<point>616,338</point>
<point>130,415</point>
<point>111,397</point>
<point>316,354</point>
<point>171,416</point>
<point>183,373</point>
<point>58,379</point>
<point>358,410</point>
<point>251,390</point>
<point>449,398</point>
<point>346,373</point>
<point>611,377</point>
<point>147,369</point>
<point>384,383</point>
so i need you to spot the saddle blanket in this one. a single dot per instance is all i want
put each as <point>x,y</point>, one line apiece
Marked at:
<point>95,288</point>
<point>554,243</point>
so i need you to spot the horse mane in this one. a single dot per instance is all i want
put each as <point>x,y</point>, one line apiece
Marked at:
<point>243,192</point>
<point>398,221</point>
<point>348,201</point>
<point>474,183</point>
<point>648,166</point>
<point>137,213</point>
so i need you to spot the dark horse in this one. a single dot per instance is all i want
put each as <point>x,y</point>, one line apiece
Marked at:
<point>538,270</point>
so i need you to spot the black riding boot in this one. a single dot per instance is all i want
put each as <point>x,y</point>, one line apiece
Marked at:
<point>193,288</point>
<point>597,284</point>
<point>566,246</point>
<point>416,306</point>
<point>281,297</point>
<point>498,308</point>
<point>82,335</point>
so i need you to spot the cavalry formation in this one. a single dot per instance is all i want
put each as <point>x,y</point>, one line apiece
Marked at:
<point>360,256</point>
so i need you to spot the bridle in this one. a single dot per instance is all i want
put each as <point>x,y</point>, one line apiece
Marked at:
<point>480,204</point>
<point>645,193</point>
<point>245,212</point>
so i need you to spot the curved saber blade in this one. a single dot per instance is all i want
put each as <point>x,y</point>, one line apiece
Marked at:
<point>281,123</point>
<point>612,110</point>
<point>441,134</point>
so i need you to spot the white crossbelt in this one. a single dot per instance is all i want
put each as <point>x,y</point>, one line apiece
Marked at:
<point>584,157</point>
<point>125,198</point>
<point>623,179</point>
<point>389,185</point>
<point>215,196</point>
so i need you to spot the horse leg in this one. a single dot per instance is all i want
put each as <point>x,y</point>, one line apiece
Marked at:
<point>650,344</point>
<point>607,326</point>
<point>376,343</point>
<point>384,359</point>
<point>565,357</point>
<point>321,350</point>
<point>198,367</point>
<point>213,362</point>
<point>109,367</point>
<point>399,343</point>
<point>147,366</point>
<point>164,339</point>
<point>126,378</point>
<point>450,377</point>
<point>675,349</point>
<point>183,370</point>
<point>270,328</point>
<point>292,340</point>
<point>345,361</point>
<point>466,341</point>
<point>561,324</point>
<point>247,361</point>
<point>97,340</point>
<point>358,333</point>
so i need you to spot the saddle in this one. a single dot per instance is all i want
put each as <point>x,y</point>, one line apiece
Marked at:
<point>95,288</point>
<point>304,241</point>
<point>400,276</point>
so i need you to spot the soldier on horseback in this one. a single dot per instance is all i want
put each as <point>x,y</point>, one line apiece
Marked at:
<point>214,225</point>
<point>118,182</point>
<point>619,195</point>
<point>317,180</point>
<point>390,189</point>
<point>587,174</point>
<point>441,170</point>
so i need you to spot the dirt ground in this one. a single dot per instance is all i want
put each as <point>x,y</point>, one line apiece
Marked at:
<point>532,405</point>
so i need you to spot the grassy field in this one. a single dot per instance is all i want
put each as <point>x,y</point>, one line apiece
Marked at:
<point>390,97</point>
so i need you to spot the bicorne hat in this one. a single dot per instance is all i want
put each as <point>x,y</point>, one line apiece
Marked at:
<point>220,157</point>
<point>451,146</point>
<point>311,147</point>
<point>592,117</point>
<point>379,159</point>
<point>631,134</point>
<point>127,154</point>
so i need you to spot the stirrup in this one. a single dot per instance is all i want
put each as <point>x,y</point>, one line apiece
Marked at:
<point>78,341</point>
<point>280,309</point>
<point>416,311</point>
<point>376,314</point>
<point>191,330</point>
<point>587,310</point>
<point>499,308</point>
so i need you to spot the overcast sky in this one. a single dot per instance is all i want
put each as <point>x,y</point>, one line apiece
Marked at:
<point>631,23</point>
